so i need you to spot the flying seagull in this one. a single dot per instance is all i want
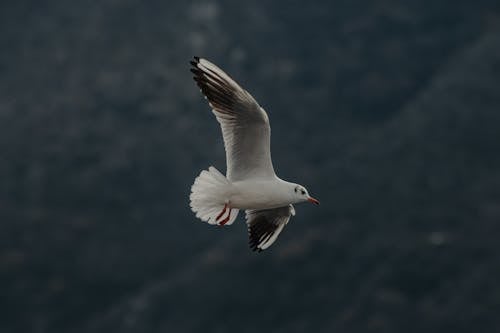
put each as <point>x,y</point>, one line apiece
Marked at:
<point>250,182</point>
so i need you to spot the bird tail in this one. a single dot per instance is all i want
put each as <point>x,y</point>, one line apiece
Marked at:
<point>209,198</point>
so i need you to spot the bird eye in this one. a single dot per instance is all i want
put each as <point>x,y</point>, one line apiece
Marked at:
<point>303,192</point>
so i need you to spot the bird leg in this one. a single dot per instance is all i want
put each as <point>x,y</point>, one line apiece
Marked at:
<point>221,223</point>
<point>222,213</point>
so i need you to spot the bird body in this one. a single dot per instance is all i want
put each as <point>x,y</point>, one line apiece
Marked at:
<point>264,194</point>
<point>251,183</point>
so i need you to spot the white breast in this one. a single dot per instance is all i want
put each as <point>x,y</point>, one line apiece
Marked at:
<point>260,194</point>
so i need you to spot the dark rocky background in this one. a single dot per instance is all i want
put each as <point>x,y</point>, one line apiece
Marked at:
<point>388,111</point>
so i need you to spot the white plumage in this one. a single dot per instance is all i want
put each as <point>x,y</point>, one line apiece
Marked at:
<point>250,182</point>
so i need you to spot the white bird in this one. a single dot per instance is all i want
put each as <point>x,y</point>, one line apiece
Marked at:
<point>250,182</point>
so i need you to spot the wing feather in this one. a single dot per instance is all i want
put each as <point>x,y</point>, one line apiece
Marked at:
<point>244,124</point>
<point>265,225</point>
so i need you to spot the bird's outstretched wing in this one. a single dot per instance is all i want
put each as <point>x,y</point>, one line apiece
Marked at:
<point>265,225</point>
<point>245,125</point>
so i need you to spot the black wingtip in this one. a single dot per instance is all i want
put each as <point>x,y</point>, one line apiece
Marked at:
<point>195,61</point>
<point>254,248</point>
<point>253,243</point>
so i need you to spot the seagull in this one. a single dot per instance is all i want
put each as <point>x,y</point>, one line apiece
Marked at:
<point>250,182</point>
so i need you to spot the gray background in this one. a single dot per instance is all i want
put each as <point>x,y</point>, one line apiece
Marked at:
<point>388,111</point>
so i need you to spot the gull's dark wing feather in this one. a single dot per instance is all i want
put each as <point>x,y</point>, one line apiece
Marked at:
<point>265,225</point>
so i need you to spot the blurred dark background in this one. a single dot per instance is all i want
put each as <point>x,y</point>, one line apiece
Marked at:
<point>388,111</point>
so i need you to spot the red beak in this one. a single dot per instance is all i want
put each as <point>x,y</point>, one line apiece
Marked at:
<point>312,200</point>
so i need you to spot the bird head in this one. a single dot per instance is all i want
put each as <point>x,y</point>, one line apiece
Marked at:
<point>300,194</point>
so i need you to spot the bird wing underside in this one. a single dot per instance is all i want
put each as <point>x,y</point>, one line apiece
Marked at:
<point>245,125</point>
<point>265,225</point>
